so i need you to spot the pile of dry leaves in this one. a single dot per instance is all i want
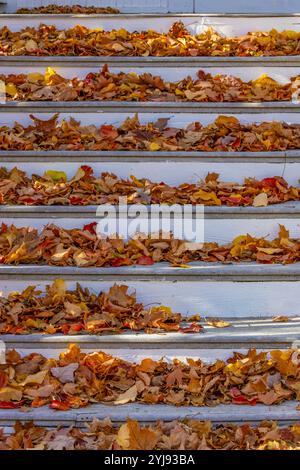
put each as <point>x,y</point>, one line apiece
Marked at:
<point>84,188</point>
<point>77,379</point>
<point>47,40</point>
<point>121,86</point>
<point>176,435</point>
<point>226,133</point>
<point>83,247</point>
<point>66,9</point>
<point>77,311</point>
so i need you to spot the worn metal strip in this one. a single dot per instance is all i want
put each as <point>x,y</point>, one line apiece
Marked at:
<point>284,413</point>
<point>139,107</point>
<point>260,333</point>
<point>197,271</point>
<point>289,156</point>
<point>201,61</point>
<point>151,15</point>
<point>288,209</point>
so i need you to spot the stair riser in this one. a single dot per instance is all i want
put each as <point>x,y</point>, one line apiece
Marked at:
<point>215,230</point>
<point>236,300</point>
<point>175,119</point>
<point>168,73</point>
<point>173,173</point>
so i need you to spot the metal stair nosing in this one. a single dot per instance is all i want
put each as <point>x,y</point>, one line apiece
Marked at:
<point>148,106</point>
<point>260,333</point>
<point>289,156</point>
<point>285,413</point>
<point>200,61</point>
<point>195,272</point>
<point>289,209</point>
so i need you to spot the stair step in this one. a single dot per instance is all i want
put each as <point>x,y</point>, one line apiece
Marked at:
<point>284,413</point>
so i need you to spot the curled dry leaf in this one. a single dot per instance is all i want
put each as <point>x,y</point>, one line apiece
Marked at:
<point>217,323</point>
<point>132,436</point>
<point>127,397</point>
<point>280,318</point>
<point>65,374</point>
<point>261,200</point>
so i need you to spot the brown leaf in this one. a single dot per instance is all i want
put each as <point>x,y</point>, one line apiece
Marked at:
<point>128,396</point>
<point>65,374</point>
<point>280,318</point>
<point>131,436</point>
<point>217,323</point>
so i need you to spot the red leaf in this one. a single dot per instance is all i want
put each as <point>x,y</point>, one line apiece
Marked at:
<point>87,169</point>
<point>75,200</point>
<point>76,327</point>
<point>10,405</point>
<point>109,131</point>
<point>65,329</point>
<point>240,399</point>
<point>236,143</point>
<point>28,200</point>
<point>3,228</point>
<point>145,260</point>
<point>120,262</point>
<point>192,328</point>
<point>59,405</point>
<point>91,227</point>
<point>269,182</point>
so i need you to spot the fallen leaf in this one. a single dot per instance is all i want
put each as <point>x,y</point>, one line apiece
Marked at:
<point>128,396</point>
<point>65,374</point>
<point>217,323</point>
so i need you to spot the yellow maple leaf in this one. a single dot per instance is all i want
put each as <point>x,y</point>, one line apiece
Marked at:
<point>11,89</point>
<point>154,146</point>
<point>49,74</point>
<point>35,77</point>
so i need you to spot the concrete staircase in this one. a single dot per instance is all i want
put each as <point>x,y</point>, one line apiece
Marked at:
<point>247,294</point>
